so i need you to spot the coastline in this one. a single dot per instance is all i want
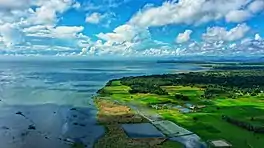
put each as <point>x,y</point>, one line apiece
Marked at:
<point>206,121</point>
<point>108,117</point>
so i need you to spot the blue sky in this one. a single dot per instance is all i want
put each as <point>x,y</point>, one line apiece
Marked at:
<point>131,27</point>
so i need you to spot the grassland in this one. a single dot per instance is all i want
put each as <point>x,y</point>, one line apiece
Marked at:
<point>207,121</point>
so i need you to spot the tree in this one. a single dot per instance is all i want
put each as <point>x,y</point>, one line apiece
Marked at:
<point>182,97</point>
<point>195,118</point>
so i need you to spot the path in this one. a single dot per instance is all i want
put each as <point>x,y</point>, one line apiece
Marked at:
<point>173,131</point>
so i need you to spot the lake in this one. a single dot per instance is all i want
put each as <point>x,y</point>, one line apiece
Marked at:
<point>47,103</point>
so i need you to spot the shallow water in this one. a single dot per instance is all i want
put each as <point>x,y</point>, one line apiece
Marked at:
<point>54,97</point>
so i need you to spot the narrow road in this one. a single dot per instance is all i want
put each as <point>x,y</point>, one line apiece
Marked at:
<point>187,138</point>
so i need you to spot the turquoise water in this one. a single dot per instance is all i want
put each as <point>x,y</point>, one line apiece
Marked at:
<point>48,103</point>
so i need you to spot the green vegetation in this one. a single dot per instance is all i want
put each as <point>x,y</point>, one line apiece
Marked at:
<point>246,125</point>
<point>237,94</point>
<point>78,145</point>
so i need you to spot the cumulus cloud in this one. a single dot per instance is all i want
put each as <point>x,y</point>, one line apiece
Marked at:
<point>31,24</point>
<point>222,34</point>
<point>238,16</point>
<point>83,41</point>
<point>233,45</point>
<point>187,12</point>
<point>76,5</point>
<point>196,12</point>
<point>66,31</point>
<point>54,32</point>
<point>14,4</point>
<point>84,51</point>
<point>44,12</point>
<point>258,37</point>
<point>256,6</point>
<point>124,39</point>
<point>119,34</point>
<point>48,11</point>
<point>184,37</point>
<point>163,51</point>
<point>94,18</point>
<point>10,35</point>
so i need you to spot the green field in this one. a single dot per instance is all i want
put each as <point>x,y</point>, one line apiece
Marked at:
<point>205,122</point>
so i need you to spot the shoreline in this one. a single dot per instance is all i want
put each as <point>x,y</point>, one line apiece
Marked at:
<point>138,115</point>
<point>196,86</point>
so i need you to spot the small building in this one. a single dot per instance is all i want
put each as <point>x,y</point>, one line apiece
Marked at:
<point>219,143</point>
<point>190,106</point>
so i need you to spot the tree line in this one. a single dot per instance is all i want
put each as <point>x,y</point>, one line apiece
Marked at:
<point>214,82</point>
<point>244,125</point>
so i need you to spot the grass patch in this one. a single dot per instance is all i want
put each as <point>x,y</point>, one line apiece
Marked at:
<point>210,126</point>
<point>116,83</point>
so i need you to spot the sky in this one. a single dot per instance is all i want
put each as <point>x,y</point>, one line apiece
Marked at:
<point>143,28</point>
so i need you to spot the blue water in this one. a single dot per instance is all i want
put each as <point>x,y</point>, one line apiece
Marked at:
<point>54,97</point>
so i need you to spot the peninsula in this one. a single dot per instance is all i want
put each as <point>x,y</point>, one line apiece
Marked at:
<point>220,107</point>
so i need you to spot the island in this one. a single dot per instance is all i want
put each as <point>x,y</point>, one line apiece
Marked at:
<point>221,107</point>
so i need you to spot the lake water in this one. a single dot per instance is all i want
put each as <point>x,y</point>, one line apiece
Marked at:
<point>47,104</point>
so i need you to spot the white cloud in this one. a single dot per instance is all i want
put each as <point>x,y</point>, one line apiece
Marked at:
<point>233,45</point>
<point>44,15</point>
<point>44,12</point>
<point>256,6</point>
<point>76,5</point>
<point>83,41</point>
<point>102,4</point>
<point>27,26</point>
<point>221,34</point>
<point>100,48</point>
<point>191,45</point>
<point>246,41</point>
<point>54,32</point>
<point>37,28</point>
<point>238,16</point>
<point>67,31</point>
<point>94,18</point>
<point>84,51</point>
<point>184,37</point>
<point>119,34</point>
<point>48,11</point>
<point>14,4</point>
<point>124,40</point>
<point>160,52</point>
<point>187,12</point>
<point>32,25</point>
<point>258,37</point>
<point>10,35</point>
